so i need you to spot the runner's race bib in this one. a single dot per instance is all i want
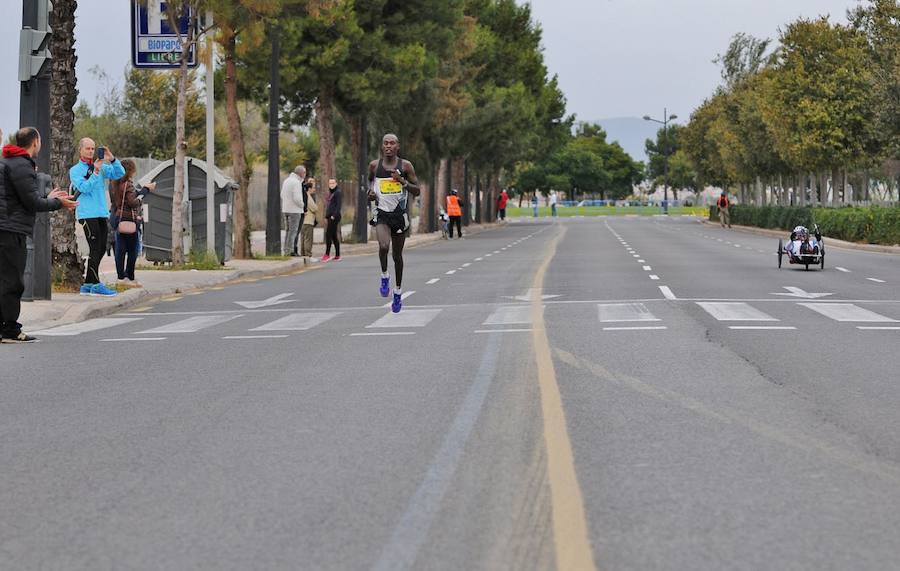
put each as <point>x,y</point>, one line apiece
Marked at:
<point>390,186</point>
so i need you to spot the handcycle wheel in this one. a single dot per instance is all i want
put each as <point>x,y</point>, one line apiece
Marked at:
<point>780,252</point>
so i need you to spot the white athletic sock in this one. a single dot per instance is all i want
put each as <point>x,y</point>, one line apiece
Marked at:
<point>385,275</point>
<point>398,291</point>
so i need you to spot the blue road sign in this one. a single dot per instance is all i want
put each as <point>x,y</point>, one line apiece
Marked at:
<point>154,44</point>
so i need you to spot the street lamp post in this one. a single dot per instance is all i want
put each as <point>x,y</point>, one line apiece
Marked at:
<point>665,123</point>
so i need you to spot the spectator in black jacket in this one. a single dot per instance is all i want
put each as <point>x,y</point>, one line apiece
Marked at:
<point>19,202</point>
<point>333,218</point>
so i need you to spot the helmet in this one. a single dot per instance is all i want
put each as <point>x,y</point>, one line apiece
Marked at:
<point>801,232</point>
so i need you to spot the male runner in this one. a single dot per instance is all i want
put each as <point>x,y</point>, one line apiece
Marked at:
<point>391,181</point>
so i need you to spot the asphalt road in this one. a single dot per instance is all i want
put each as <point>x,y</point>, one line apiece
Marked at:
<point>622,393</point>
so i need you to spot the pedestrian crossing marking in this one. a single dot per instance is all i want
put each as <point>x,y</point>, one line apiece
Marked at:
<point>86,326</point>
<point>624,312</point>
<point>734,311</point>
<point>848,312</point>
<point>406,318</point>
<point>509,315</point>
<point>296,322</point>
<point>191,324</point>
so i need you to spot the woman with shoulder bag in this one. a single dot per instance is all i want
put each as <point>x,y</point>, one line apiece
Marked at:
<point>128,207</point>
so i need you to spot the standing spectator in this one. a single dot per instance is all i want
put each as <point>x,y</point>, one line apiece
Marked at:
<point>454,212</point>
<point>724,209</point>
<point>554,198</point>
<point>501,204</point>
<point>534,204</point>
<point>126,204</point>
<point>88,179</point>
<point>333,221</point>
<point>309,222</point>
<point>19,202</point>
<point>292,208</point>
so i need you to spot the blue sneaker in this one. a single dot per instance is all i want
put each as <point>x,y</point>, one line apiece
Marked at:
<point>397,303</point>
<point>101,290</point>
<point>86,289</point>
<point>385,287</point>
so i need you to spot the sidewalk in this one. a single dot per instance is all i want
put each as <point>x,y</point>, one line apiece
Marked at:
<point>67,308</point>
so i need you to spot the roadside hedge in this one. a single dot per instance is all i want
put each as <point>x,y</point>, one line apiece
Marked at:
<point>873,225</point>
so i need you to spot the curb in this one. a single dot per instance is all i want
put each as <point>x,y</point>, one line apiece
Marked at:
<point>133,297</point>
<point>831,243</point>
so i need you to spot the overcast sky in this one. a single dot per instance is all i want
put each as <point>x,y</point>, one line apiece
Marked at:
<point>614,58</point>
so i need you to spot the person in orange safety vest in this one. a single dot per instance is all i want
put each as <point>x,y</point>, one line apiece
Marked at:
<point>454,212</point>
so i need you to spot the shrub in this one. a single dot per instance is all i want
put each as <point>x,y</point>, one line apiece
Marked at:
<point>873,225</point>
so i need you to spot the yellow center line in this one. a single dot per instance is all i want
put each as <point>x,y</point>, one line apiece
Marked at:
<point>570,527</point>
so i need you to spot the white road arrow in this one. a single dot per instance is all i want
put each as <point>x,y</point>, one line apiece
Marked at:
<point>274,300</point>
<point>531,295</point>
<point>797,292</point>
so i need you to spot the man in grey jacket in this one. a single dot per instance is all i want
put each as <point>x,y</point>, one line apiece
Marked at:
<point>292,207</point>
<point>19,202</point>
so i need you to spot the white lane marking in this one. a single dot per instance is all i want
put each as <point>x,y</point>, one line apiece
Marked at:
<point>840,269</point>
<point>296,322</point>
<point>503,330</point>
<point>86,326</point>
<point>415,523</point>
<point>635,255</point>
<point>864,328</point>
<point>487,255</point>
<point>618,312</point>
<point>648,269</point>
<point>761,328</point>
<point>382,333</point>
<point>192,324</point>
<point>737,245</point>
<point>451,272</point>
<point>642,261</point>
<point>876,280</point>
<point>432,281</point>
<point>667,292</point>
<point>653,277</point>
<point>718,240</point>
<point>848,312</point>
<point>134,339</point>
<point>478,259</point>
<point>406,318</point>
<point>509,315</point>
<point>652,328</point>
<point>403,295</point>
<point>496,251</point>
<point>467,264</point>
<point>734,312</point>
<point>255,337</point>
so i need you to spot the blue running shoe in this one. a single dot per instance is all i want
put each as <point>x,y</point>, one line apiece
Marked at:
<point>86,289</point>
<point>101,290</point>
<point>385,287</point>
<point>397,303</point>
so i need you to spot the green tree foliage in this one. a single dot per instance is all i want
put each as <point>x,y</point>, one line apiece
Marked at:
<point>587,163</point>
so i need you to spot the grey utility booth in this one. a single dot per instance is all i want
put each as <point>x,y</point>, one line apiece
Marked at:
<point>157,237</point>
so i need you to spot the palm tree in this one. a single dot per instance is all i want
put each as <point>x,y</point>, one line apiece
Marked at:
<point>67,267</point>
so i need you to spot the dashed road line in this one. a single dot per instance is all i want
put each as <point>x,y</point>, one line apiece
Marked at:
<point>840,269</point>
<point>876,280</point>
<point>432,281</point>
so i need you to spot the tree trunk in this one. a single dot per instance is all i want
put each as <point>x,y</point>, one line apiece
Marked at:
<point>835,184</point>
<point>443,182</point>
<point>240,169</point>
<point>425,205</point>
<point>67,267</point>
<point>325,126</point>
<point>180,151</point>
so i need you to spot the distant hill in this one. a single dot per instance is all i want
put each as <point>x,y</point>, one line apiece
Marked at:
<point>630,132</point>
